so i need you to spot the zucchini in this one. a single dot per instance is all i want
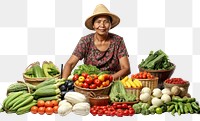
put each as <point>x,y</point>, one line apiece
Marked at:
<point>46,92</point>
<point>46,82</point>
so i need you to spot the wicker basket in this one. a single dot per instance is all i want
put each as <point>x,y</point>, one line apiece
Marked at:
<point>185,86</point>
<point>35,81</point>
<point>135,91</point>
<point>86,92</point>
<point>161,74</point>
<point>151,83</point>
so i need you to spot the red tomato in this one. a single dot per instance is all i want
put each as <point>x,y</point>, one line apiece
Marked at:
<point>110,78</point>
<point>55,109</point>
<point>106,76</point>
<point>112,113</point>
<point>85,85</point>
<point>48,104</point>
<point>93,112</point>
<point>80,84</point>
<point>88,80</point>
<point>126,112</point>
<point>49,110</point>
<point>54,102</point>
<point>124,105</point>
<point>34,109</point>
<point>101,78</point>
<point>119,106</point>
<point>40,103</point>
<point>131,112</point>
<point>93,86</point>
<point>84,75</point>
<point>100,112</point>
<point>97,82</point>
<point>41,110</point>
<point>75,77</point>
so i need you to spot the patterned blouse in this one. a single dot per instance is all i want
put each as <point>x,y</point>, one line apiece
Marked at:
<point>104,60</point>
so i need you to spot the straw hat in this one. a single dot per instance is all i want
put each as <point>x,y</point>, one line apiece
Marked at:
<point>101,10</point>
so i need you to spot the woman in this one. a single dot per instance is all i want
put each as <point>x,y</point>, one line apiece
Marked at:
<point>102,49</point>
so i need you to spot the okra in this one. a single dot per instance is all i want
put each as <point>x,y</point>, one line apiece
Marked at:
<point>179,112</point>
<point>52,86</point>
<point>25,102</point>
<point>176,107</point>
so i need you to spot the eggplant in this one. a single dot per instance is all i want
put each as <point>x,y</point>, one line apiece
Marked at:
<point>70,85</point>
<point>63,94</point>
<point>66,83</point>
<point>62,87</point>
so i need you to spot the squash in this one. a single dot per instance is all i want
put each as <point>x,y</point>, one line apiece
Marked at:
<point>82,109</point>
<point>75,97</point>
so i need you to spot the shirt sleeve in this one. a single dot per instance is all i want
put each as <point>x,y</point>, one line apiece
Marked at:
<point>122,51</point>
<point>80,50</point>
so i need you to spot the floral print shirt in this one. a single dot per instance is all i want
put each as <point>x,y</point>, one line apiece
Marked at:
<point>104,60</point>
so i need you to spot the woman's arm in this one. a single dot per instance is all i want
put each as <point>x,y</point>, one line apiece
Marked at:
<point>125,68</point>
<point>69,65</point>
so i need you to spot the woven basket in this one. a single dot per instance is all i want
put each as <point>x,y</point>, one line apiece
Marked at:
<point>151,83</point>
<point>35,81</point>
<point>161,74</point>
<point>135,91</point>
<point>185,86</point>
<point>86,92</point>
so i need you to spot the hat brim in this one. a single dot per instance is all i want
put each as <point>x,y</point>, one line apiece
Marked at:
<point>89,20</point>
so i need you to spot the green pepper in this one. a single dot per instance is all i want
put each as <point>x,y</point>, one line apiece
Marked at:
<point>189,108</point>
<point>185,109</point>
<point>173,112</point>
<point>181,107</point>
<point>195,106</point>
<point>189,100</point>
<point>170,108</point>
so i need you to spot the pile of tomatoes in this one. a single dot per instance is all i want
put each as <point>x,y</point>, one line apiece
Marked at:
<point>113,110</point>
<point>92,81</point>
<point>175,81</point>
<point>142,75</point>
<point>48,107</point>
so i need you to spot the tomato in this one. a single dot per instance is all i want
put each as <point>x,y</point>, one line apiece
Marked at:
<point>75,77</point>
<point>104,84</point>
<point>85,85</point>
<point>124,105</point>
<point>49,110</point>
<point>131,112</point>
<point>41,110</point>
<point>100,112</point>
<point>119,114</point>
<point>107,82</point>
<point>97,82</point>
<point>119,106</point>
<point>106,76</point>
<point>34,109</point>
<point>54,103</point>
<point>48,104</point>
<point>110,78</point>
<point>126,112</point>
<point>93,112</point>
<point>89,80</point>
<point>40,103</point>
<point>80,84</point>
<point>94,76</point>
<point>112,113</point>
<point>93,86</point>
<point>55,109</point>
<point>81,78</point>
<point>101,78</point>
<point>84,75</point>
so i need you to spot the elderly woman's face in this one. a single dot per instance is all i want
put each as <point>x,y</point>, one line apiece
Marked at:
<point>102,24</point>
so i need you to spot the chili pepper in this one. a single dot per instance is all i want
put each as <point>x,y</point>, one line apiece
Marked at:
<point>195,106</point>
<point>181,107</point>
<point>189,108</point>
